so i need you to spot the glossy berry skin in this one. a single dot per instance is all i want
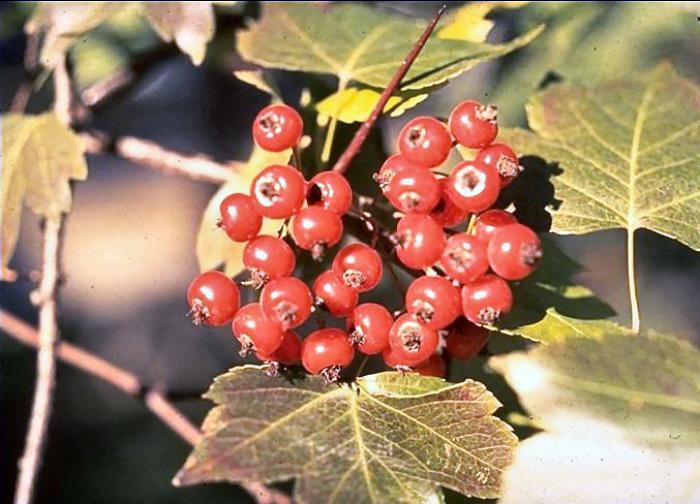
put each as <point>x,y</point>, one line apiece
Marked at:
<point>446,213</point>
<point>370,324</point>
<point>268,257</point>
<point>286,301</point>
<point>421,241</point>
<point>434,301</point>
<point>213,298</point>
<point>278,191</point>
<point>239,218</point>
<point>465,340</point>
<point>316,228</point>
<point>514,251</point>
<point>486,299</point>
<point>392,166</point>
<point>330,190</point>
<point>359,265</point>
<point>474,125</point>
<point>503,158</point>
<point>487,222</point>
<point>464,258</point>
<point>473,186</point>
<point>288,353</point>
<point>277,127</point>
<point>433,366</point>
<point>324,349</point>
<point>254,331</point>
<point>412,342</point>
<point>425,141</point>
<point>414,190</point>
<point>338,298</point>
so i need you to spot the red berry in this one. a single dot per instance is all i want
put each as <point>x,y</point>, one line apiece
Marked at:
<point>286,301</point>
<point>338,298</point>
<point>213,298</point>
<point>503,158</point>
<point>421,241</point>
<point>446,213</point>
<point>433,366</point>
<point>473,186</point>
<point>326,352</point>
<point>359,265</point>
<point>370,323</point>
<point>254,331</point>
<point>278,191</point>
<point>268,257</point>
<point>434,301</point>
<point>277,127</point>
<point>425,141</point>
<point>315,228</point>
<point>474,125</point>
<point>464,258</point>
<point>486,299</point>
<point>288,353</point>
<point>411,341</point>
<point>514,251</point>
<point>414,190</point>
<point>393,165</point>
<point>465,340</point>
<point>487,222</point>
<point>239,218</point>
<point>330,190</point>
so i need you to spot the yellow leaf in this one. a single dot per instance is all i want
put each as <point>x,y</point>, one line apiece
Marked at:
<point>469,22</point>
<point>355,105</point>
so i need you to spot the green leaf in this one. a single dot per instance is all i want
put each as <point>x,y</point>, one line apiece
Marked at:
<point>40,156</point>
<point>389,438</point>
<point>630,402</point>
<point>627,152</point>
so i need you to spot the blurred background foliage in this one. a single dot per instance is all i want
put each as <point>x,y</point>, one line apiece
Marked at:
<point>130,240</point>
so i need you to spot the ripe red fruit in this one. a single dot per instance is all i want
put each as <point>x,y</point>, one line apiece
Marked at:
<point>421,241</point>
<point>465,340</point>
<point>514,251</point>
<point>394,361</point>
<point>267,257</point>
<point>359,265</point>
<point>288,353</point>
<point>434,301</point>
<point>213,298</point>
<point>474,125</point>
<point>278,191</point>
<point>239,218</point>
<point>425,141</point>
<point>486,299</point>
<point>326,352</point>
<point>414,190</point>
<point>503,158</point>
<point>473,186</point>
<point>446,213</point>
<point>254,331</point>
<point>393,165</point>
<point>369,325</point>
<point>330,190</point>
<point>277,127</point>
<point>433,366</point>
<point>464,258</point>
<point>412,342</point>
<point>338,298</point>
<point>315,228</point>
<point>487,222</point>
<point>286,301</point>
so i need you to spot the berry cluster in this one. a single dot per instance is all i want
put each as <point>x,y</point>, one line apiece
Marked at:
<point>452,304</point>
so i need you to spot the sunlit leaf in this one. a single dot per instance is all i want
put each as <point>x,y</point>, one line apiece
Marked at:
<point>389,438</point>
<point>355,105</point>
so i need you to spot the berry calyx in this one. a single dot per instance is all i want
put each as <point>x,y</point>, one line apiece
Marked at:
<point>288,353</point>
<point>334,294</point>
<point>239,218</point>
<point>255,332</point>
<point>331,191</point>
<point>434,301</point>
<point>504,159</point>
<point>393,165</point>
<point>464,258</point>
<point>487,222</point>
<point>315,229</point>
<point>326,352</point>
<point>425,141</point>
<point>267,257</point>
<point>359,265</point>
<point>514,251</point>
<point>433,366</point>
<point>414,190</point>
<point>214,298</point>
<point>446,213</point>
<point>473,186</point>
<point>277,127</point>
<point>278,191</point>
<point>369,325</point>
<point>474,125</point>
<point>411,341</point>
<point>465,340</point>
<point>420,241</point>
<point>485,300</point>
<point>286,301</point>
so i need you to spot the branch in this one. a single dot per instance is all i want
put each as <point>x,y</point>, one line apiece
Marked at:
<point>361,135</point>
<point>31,66</point>
<point>154,398</point>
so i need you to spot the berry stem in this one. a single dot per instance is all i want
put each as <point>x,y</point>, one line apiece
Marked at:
<point>361,135</point>
<point>297,157</point>
<point>632,282</point>
<point>333,123</point>
<point>361,367</point>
